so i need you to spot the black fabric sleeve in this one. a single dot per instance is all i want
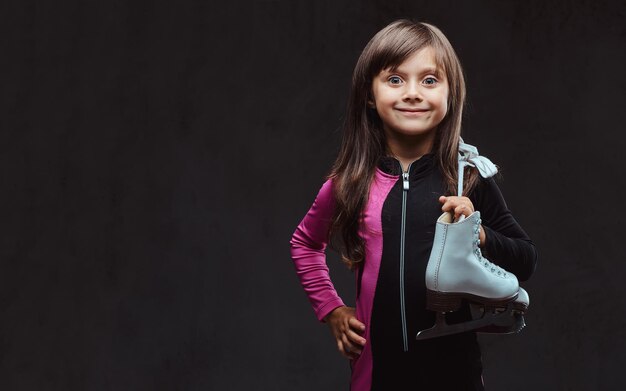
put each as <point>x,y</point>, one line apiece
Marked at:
<point>506,243</point>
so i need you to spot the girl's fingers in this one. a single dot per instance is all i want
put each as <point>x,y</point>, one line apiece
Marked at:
<point>349,342</point>
<point>349,347</point>
<point>355,340</point>
<point>355,324</point>
<point>345,328</point>
<point>462,210</point>
<point>344,350</point>
<point>457,205</point>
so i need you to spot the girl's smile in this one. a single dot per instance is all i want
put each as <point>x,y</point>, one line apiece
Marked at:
<point>412,112</point>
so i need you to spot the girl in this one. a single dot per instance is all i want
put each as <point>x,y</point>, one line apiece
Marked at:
<point>401,137</point>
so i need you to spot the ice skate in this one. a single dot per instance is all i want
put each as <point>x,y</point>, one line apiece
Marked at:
<point>457,271</point>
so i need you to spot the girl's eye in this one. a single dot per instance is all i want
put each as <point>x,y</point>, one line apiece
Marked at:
<point>395,80</point>
<point>430,81</point>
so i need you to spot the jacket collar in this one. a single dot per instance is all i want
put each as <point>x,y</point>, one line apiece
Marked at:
<point>390,165</point>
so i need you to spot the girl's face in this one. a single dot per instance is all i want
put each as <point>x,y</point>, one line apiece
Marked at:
<point>412,99</point>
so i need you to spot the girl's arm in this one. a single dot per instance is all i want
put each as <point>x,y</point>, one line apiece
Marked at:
<point>506,243</point>
<point>308,246</point>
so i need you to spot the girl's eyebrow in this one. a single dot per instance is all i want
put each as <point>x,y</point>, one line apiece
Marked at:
<point>433,70</point>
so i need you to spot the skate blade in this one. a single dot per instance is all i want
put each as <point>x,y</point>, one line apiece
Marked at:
<point>504,322</point>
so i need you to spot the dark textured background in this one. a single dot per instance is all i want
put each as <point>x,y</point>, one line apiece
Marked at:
<point>157,156</point>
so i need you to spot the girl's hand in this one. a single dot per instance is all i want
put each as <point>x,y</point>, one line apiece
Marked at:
<point>461,206</point>
<point>347,330</point>
<point>457,205</point>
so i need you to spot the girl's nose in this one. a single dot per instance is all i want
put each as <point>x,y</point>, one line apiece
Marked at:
<point>412,92</point>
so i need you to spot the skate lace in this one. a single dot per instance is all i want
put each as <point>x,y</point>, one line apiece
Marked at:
<point>495,269</point>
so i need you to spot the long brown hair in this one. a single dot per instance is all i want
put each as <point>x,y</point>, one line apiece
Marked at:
<point>364,143</point>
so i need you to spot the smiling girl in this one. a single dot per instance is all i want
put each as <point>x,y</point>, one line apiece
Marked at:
<point>395,173</point>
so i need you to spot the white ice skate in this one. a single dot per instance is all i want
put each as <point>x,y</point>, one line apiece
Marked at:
<point>457,271</point>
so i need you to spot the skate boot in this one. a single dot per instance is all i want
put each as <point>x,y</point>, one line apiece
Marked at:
<point>457,271</point>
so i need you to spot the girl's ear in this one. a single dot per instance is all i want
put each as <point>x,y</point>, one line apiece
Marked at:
<point>371,104</point>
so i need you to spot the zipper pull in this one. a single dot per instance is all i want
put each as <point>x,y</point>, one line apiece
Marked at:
<point>405,180</point>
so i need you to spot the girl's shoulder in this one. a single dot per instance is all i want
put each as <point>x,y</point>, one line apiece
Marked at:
<point>325,196</point>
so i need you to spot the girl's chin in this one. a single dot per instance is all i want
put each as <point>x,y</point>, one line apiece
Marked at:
<point>412,132</point>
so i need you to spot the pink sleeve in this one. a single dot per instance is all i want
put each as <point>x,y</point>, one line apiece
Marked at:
<point>308,246</point>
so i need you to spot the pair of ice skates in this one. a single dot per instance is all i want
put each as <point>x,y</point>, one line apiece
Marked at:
<point>457,271</point>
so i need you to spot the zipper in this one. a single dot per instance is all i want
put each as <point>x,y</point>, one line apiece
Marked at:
<point>405,190</point>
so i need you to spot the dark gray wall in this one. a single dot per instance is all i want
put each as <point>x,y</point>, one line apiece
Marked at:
<point>157,156</point>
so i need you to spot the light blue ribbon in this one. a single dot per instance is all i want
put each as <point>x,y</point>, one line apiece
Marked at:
<point>468,156</point>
